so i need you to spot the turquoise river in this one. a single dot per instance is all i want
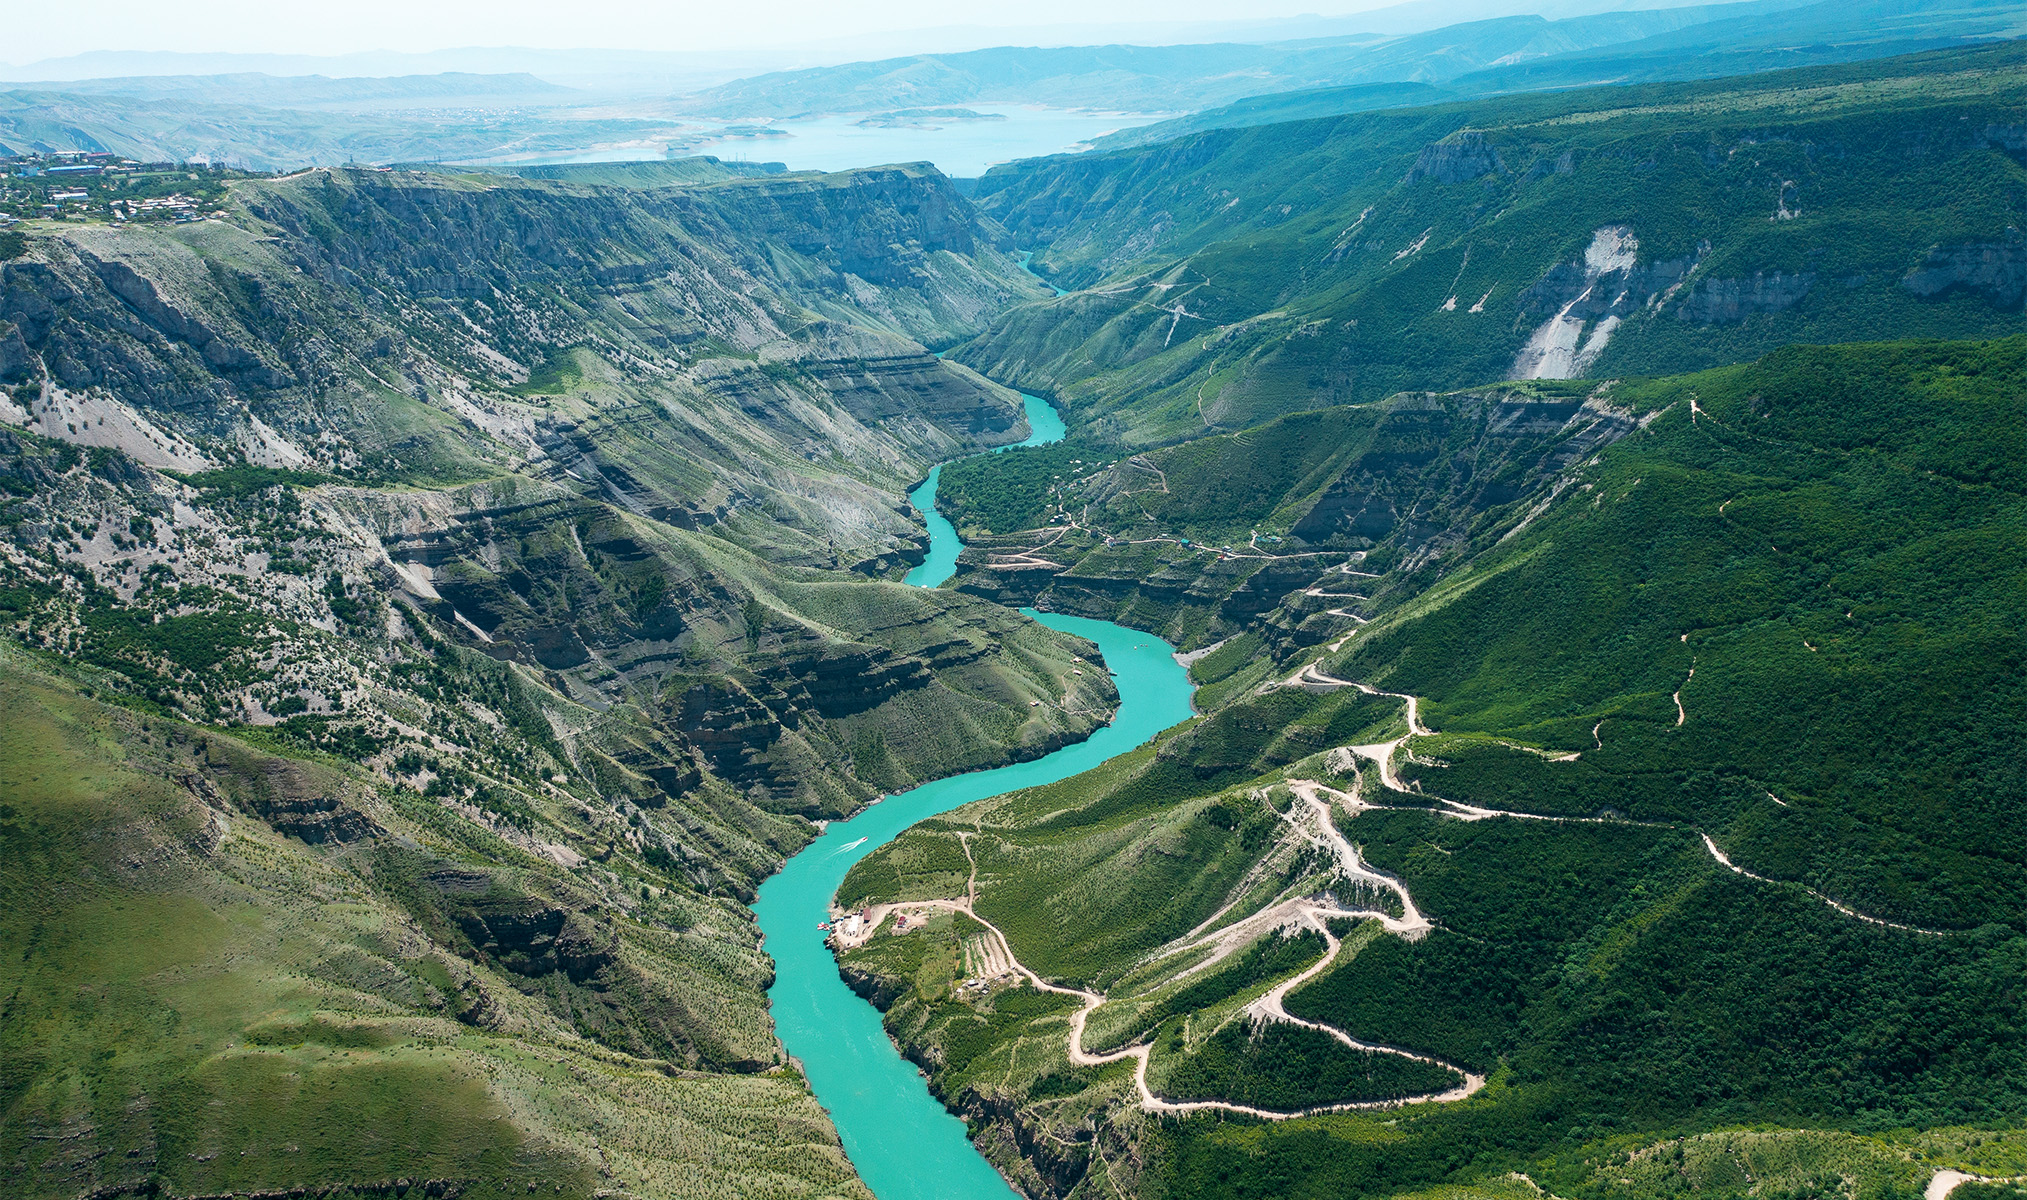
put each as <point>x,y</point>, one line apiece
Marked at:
<point>904,1143</point>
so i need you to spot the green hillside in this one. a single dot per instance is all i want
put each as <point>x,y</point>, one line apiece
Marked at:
<point>1830,538</point>
<point>1227,277</point>
<point>243,972</point>
<point>1503,51</point>
<point>1594,520</point>
<point>1714,41</point>
<point>431,611</point>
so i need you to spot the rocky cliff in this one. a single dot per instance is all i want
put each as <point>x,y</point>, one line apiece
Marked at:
<point>485,544</point>
<point>1232,275</point>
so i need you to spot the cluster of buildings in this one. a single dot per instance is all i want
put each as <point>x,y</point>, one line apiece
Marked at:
<point>64,164</point>
<point>78,184</point>
<point>177,207</point>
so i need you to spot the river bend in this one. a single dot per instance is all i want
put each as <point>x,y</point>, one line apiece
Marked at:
<point>903,1142</point>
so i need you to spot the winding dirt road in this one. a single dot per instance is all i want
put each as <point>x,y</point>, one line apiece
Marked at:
<point>1313,678</point>
<point>1270,1007</point>
<point>1312,818</point>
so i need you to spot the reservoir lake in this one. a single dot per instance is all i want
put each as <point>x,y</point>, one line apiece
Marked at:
<point>963,149</point>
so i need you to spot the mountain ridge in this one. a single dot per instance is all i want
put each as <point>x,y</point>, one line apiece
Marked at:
<point>1592,947</point>
<point>435,600</point>
<point>433,596</point>
<point>1226,276</point>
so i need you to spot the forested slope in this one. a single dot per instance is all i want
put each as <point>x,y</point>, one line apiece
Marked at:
<point>1226,277</point>
<point>1677,799</point>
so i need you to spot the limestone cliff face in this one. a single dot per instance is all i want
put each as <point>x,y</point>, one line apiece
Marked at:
<point>1584,301</point>
<point>1718,300</point>
<point>1458,455</point>
<point>337,265</point>
<point>1111,207</point>
<point>879,224</point>
<point>1412,484</point>
<point>626,443</point>
<point>83,323</point>
<point>1461,159</point>
<point>1229,276</point>
<point>1996,270</point>
<point>525,517</point>
<point>695,339</point>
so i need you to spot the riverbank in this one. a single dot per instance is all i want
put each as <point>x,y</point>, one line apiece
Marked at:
<point>905,1145</point>
<point>902,1141</point>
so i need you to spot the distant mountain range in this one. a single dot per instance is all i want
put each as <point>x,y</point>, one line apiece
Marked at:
<point>433,602</point>
<point>665,71</point>
<point>324,92</point>
<point>264,137</point>
<point>1181,78</point>
<point>514,104</point>
<point>1511,53</point>
<point>1739,39</point>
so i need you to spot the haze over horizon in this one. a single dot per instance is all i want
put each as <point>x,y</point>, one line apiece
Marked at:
<point>380,37</point>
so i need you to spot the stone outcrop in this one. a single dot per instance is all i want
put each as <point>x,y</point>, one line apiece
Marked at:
<point>1995,270</point>
<point>337,269</point>
<point>295,799</point>
<point>1461,454</point>
<point>1584,301</point>
<point>17,361</point>
<point>879,224</point>
<point>1434,465</point>
<point>538,940</point>
<point>1460,159</point>
<point>1713,301</point>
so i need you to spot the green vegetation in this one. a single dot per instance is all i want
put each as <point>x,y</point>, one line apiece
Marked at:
<point>201,1004</point>
<point>392,815</point>
<point>1232,276</point>
<point>1252,737</point>
<point>235,483</point>
<point>1288,1067</point>
<point>1012,490</point>
<point>1801,545</point>
<point>1265,960</point>
<point>964,1035</point>
<point>933,866</point>
<point>558,373</point>
<point>1514,897</point>
<point>694,169</point>
<point>1828,537</point>
<point>442,762</point>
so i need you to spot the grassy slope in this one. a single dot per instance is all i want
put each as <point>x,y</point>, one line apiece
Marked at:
<point>1628,995</point>
<point>1218,489</point>
<point>1858,596</point>
<point>1240,535</point>
<point>1315,267</point>
<point>201,1002</point>
<point>587,678</point>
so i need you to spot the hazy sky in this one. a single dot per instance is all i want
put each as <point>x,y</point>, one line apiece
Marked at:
<point>36,31</point>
